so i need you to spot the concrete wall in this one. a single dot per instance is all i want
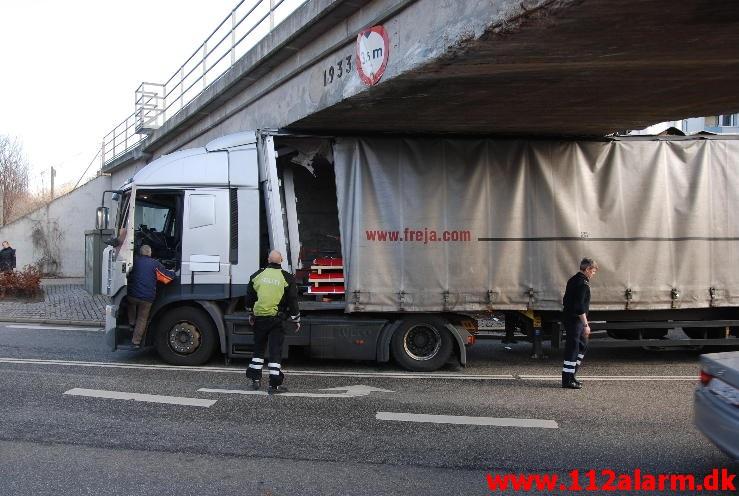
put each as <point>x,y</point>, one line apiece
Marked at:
<point>54,235</point>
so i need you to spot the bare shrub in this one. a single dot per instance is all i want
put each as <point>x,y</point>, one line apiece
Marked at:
<point>13,174</point>
<point>24,283</point>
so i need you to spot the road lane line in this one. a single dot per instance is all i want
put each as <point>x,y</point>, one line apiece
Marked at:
<point>149,398</point>
<point>463,420</point>
<point>240,370</point>
<point>50,328</point>
<point>638,378</point>
<point>323,373</point>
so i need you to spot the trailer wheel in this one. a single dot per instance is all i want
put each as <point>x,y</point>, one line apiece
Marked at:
<point>705,332</point>
<point>185,336</point>
<point>654,333</point>
<point>634,334</point>
<point>621,334</point>
<point>422,344</point>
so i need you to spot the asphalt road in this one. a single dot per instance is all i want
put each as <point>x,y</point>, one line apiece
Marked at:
<point>635,412</point>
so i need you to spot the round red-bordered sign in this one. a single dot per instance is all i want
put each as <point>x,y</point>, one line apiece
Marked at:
<point>373,51</point>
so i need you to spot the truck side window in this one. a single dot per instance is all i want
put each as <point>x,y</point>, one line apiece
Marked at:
<point>202,211</point>
<point>155,217</point>
<point>123,212</point>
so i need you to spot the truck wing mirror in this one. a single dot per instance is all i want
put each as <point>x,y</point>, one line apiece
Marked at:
<point>102,218</point>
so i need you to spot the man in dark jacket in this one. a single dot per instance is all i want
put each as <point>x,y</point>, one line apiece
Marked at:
<point>273,297</point>
<point>7,258</point>
<point>576,304</point>
<point>142,290</point>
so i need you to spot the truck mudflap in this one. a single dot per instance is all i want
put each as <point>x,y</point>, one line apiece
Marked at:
<point>216,314</point>
<point>110,326</point>
<point>462,337</point>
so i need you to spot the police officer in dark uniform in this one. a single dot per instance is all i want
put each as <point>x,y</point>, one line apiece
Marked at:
<point>576,304</point>
<point>273,297</point>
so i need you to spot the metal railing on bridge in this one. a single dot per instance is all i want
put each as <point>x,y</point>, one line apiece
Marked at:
<point>247,24</point>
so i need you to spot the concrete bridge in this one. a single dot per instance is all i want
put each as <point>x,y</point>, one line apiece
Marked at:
<point>500,67</point>
<point>469,67</point>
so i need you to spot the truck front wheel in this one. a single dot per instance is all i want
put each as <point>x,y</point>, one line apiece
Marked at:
<point>422,344</point>
<point>185,336</point>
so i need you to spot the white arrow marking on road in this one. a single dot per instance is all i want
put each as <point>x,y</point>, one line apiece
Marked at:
<point>50,328</point>
<point>462,420</point>
<point>349,392</point>
<point>149,398</point>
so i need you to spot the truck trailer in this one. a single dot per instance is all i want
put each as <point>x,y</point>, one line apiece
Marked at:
<point>401,243</point>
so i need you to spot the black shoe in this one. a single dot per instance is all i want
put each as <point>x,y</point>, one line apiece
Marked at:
<point>579,383</point>
<point>256,385</point>
<point>571,385</point>
<point>276,389</point>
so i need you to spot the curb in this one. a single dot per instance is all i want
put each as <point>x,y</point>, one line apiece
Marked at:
<point>82,323</point>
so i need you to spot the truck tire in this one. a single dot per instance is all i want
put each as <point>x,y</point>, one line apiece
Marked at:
<point>422,344</point>
<point>185,336</point>
<point>705,332</point>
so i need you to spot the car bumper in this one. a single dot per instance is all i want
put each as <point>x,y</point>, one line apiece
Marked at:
<point>718,421</point>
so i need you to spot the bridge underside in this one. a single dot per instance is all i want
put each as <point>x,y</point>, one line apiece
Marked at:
<point>567,68</point>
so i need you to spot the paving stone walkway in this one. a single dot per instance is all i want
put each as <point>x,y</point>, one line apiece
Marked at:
<point>65,300</point>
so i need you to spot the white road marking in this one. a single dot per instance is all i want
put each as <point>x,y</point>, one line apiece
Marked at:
<point>240,370</point>
<point>639,378</point>
<point>51,328</point>
<point>326,373</point>
<point>149,398</point>
<point>462,420</point>
<point>349,392</point>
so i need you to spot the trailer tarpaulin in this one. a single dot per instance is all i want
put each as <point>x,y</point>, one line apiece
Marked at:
<point>467,225</point>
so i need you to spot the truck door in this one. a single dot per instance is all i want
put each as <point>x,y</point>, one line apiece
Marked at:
<point>205,238</point>
<point>119,263</point>
<point>119,259</point>
<point>270,184</point>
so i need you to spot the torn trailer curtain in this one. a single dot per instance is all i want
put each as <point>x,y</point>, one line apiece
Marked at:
<point>448,224</point>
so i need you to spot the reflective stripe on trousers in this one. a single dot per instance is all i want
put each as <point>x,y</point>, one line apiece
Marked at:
<point>575,347</point>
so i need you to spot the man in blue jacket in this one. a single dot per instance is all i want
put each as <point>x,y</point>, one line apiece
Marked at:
<point>142,289</point>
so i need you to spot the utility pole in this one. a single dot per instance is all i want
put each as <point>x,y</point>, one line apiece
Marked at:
<point>53,174</point>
